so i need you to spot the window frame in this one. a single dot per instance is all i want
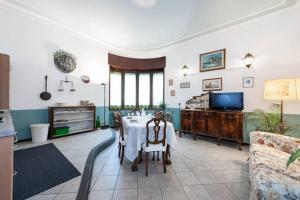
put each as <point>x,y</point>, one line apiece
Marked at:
<point>150,72</point>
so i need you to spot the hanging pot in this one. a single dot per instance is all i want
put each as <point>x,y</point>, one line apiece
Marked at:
<point>45,95</point>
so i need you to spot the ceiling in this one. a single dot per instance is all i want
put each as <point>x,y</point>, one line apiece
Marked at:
<point>146,24</point>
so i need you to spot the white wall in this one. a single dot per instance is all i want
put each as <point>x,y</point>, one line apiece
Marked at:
<point>273,39</point>
<point>31,42</point>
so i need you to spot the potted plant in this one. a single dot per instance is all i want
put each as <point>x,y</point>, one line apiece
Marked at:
<point>294,156</point>
<point>269,121</point>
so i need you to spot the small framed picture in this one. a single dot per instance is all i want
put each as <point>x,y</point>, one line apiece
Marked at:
<point>212,84</point>
<point>215,60</point>
<point>248,82</point>
<point>172,93</point>
<point>185,85</point>
<point>170,82</point>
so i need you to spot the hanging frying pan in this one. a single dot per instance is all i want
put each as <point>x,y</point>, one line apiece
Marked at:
<point>45,95</point>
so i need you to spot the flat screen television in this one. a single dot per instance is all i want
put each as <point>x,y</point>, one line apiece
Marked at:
<point>226,101</point>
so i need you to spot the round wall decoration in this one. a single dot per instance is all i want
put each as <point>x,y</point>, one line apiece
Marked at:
<point>85,79</point>
<point>64,61</point>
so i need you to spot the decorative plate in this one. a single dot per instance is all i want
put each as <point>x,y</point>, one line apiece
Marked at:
<point>64,61</point>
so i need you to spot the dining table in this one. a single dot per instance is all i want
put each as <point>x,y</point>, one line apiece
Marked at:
<point>135,131</point>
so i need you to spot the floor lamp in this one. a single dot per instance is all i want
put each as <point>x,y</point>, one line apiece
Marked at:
<point>281,89</point>
<point>104,125</point>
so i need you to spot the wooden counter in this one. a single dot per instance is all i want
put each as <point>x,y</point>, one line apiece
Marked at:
<point>6,167</point>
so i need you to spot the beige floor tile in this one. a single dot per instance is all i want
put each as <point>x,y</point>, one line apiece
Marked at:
<point>209,177</point>
<point>241,190</point>
<point>110,170</point>
<point>127,182</point>
<point>125,194</point>
<point>173,193</point>
<point>71,186</point>
<point>149,194</point>
<point>101,195</point>
<point>148,181</point>
<point>43,197</point>
<point>197,192</point>
<point>187,178</point>
<point>105,183</point>
<point>220,192</point>
<point>66,196</point>
<point>180,167</point>
<point>54,190</point>
<point>167,180</point>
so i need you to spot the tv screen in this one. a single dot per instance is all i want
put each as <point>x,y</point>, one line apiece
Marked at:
<point>226,101</point>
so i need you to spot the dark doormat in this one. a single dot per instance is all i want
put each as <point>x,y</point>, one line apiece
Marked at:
<point>39,169</point>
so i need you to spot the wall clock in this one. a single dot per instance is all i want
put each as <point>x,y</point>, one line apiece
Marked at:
<point>64,61</point>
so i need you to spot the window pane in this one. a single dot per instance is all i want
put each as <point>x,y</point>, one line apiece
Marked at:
<point>144,89</point>
<point>130,89</point>
<point>158,88</point>
<point>115,89</point>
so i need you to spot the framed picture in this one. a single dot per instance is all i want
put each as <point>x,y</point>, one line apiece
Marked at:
<point>172,93</point>
<point>185,85</point>
<point>212,84</point>
<point>213,60</point>
<point>248,82</point>
<point>170,82</point>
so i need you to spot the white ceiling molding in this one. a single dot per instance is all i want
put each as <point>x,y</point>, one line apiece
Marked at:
<point>151,32</point>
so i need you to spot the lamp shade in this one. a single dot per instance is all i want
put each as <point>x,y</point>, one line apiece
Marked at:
<point>280,89</point>
<point>298,88</point>
<point>185,70</point>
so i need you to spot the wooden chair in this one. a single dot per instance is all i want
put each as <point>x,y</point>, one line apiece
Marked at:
<point>116,120</point>
<point>122,138</point>
<point>158,114</point>
<point>168,117</point>
<point>156,145</point>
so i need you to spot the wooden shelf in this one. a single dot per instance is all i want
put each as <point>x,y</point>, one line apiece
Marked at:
<point>74,121</point>
<point>72,112</point>
<point>75,117</point>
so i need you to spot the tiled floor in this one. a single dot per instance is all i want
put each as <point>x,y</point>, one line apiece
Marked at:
<point>200,170</point>
<point>76,148</point>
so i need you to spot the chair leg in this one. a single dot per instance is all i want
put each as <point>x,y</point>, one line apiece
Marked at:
<point>119,149</point>
<point>141,155</point>
<point>153,156</point>
<point>122,156</point>
<point>164,161</point>
<point>158,156</point>
<point>146,164</point>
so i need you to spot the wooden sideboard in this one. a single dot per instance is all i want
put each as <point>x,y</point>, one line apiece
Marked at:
<point>218,124</point>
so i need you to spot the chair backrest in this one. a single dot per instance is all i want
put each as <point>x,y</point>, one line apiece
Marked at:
<point>156,132</point>
<point>168,117</point>
<point>118,116</point>
<point>135,113</point>
<point>158,114</point>
<point>116,119</point>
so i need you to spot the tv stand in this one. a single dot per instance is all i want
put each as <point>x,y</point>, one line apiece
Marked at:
<point>213,123</point>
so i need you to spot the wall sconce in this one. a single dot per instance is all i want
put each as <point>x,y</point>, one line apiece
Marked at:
<point>248,60</point>
<point>185,70</point>
<point>61,88</point>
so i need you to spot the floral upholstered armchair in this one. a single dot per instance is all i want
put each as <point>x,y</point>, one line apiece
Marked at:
<point>270,178</point>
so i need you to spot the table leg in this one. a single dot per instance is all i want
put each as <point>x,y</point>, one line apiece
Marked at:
<point>134,167</point>
<point>168,161</point>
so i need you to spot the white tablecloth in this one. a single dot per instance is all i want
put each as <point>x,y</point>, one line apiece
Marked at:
<point>136,135</point>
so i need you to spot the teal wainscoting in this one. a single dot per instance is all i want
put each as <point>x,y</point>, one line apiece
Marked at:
<point>23,119</point>
<point>249,124</point>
